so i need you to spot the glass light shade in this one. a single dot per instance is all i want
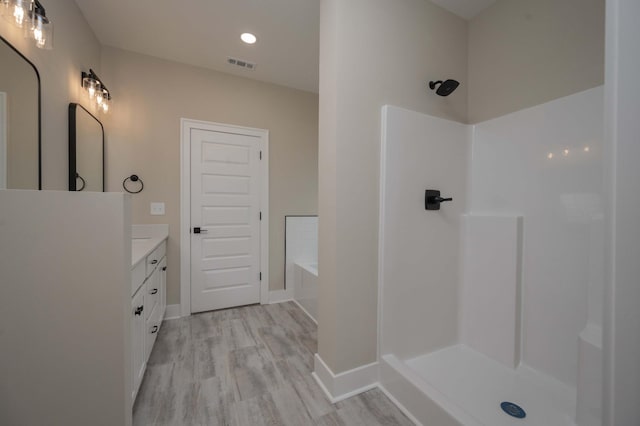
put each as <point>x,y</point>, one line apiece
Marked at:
<point>99,98</point>
<point>106,105</point>
<point>4,8</point>
<point>91,86</point>
<point>17,11</point>
<point>40,29</point>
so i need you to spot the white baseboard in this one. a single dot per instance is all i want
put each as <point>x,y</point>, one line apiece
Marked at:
<point>305,311</point>
<point>172,312</point>
<point>346,384</point>
<point>279,296</point>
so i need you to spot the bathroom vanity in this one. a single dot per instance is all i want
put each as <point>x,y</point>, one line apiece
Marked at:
<point>148,293</point>
<point>82,297</point>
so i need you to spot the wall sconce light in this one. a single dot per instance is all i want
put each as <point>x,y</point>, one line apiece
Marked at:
<point>32,18</point>
<point>96,90</point>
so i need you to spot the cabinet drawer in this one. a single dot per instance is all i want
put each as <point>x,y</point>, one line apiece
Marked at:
<point>152,329</point>
<point>138,275</point>
<point>152,295</point>
<point>155,257</point>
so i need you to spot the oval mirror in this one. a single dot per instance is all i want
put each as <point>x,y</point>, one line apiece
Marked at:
<point>19,120</point>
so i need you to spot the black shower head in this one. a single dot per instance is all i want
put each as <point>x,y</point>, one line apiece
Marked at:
<point>446,87</point>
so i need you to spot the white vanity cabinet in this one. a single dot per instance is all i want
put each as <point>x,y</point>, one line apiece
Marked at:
<point>137,341</point>
<point>156,292</point>
<point>163,285</point>
<point>148,286</point>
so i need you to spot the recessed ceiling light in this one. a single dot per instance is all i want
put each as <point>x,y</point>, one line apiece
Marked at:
<point>248,38</point>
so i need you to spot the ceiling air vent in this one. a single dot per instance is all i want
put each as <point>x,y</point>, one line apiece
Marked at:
<point>241,63</point>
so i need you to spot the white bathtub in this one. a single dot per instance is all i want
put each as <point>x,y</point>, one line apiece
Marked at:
<point>305,289</point>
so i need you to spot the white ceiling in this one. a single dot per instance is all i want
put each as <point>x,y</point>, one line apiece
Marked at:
<point>205,32</point>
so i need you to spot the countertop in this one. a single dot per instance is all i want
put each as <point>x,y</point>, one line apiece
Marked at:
<point>145,239</point>
<point>142,247</point>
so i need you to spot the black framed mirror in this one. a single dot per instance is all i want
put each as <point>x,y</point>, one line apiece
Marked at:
<point>86,150</point>
<point>20,121</point>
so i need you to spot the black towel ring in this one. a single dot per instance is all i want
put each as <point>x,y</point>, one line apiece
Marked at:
<point>84,183</point>
<point>132,178</point>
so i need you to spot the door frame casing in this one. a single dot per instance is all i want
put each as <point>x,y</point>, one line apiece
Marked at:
<point>186,125</point>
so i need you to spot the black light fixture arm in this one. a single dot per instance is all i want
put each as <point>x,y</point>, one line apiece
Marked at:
<point>39,9</point>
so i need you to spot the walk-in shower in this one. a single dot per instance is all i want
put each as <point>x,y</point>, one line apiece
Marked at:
<point>491,307</point>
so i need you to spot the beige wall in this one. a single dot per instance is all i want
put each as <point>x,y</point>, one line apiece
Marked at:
<point>20,83</point>
<point>526,52</point>
<point>75,49</point>
<point>143,137</point>
<point>373,52</point>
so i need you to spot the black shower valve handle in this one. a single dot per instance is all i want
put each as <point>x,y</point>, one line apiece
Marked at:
<point>440,199</point>
<point>432,199</point>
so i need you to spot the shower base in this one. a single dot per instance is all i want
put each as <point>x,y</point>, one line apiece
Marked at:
<point>462,386</point>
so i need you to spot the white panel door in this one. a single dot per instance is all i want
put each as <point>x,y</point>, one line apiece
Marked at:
<point>225,206</point>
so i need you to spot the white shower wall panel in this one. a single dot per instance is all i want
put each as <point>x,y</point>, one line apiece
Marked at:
<point>419,249</point>
<point>491,289</point>
<point>301,244</point>
<point>545,163</point>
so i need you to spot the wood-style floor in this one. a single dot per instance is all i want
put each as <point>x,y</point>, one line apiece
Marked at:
<point>246,366</point>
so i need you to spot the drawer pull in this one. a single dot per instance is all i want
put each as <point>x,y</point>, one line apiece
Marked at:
<point>154,329</point>
<point>138,310</point>
<point>153,262</point>
<point>154,291</point>
<point>164,268</point>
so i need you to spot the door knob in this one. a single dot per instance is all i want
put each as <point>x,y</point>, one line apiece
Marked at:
<point>198,230</point>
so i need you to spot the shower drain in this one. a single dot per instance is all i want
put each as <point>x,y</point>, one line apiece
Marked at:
<point>514,410</point>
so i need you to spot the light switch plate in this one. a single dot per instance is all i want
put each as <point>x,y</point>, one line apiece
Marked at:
<point>157,209</point>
